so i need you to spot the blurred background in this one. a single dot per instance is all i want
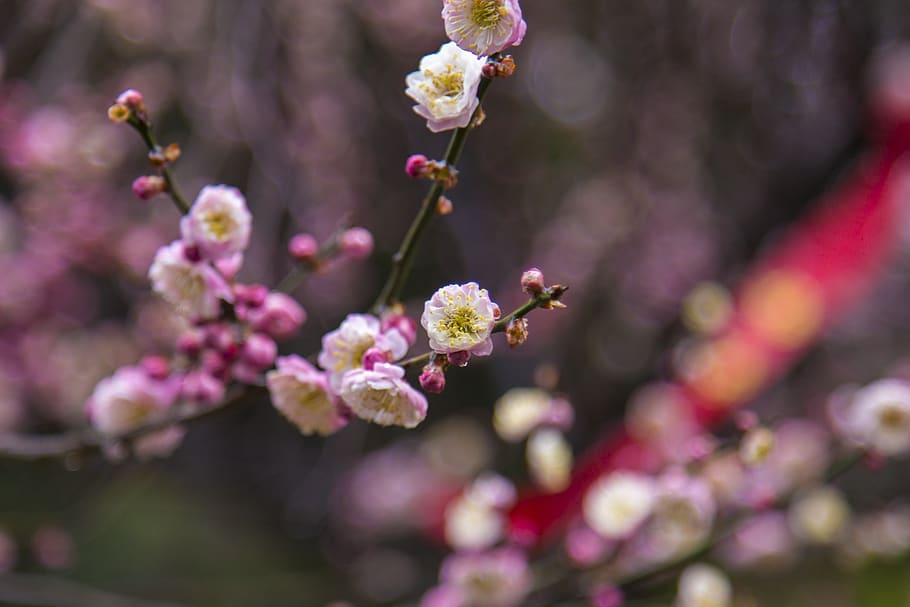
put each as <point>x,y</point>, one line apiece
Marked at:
<point>641,149</point>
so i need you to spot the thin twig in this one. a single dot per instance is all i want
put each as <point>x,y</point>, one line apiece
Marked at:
<point>148,136</point>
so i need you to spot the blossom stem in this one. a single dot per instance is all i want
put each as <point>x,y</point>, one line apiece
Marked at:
<point>403,260</point>
<point>546,298</point>
<point>145,131</point>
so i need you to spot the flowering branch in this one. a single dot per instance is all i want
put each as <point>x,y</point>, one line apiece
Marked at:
<point>404,258</point>
<point>548,298</point>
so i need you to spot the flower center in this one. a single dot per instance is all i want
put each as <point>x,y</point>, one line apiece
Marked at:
<point>893,417</point>
<point>459,323</point>
<point>218,223</point>
<point>449,83</point>
<point>487,13</point>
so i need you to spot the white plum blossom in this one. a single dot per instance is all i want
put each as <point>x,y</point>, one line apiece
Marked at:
<point>381,395</point>
<point>195,289</point>
<point>445,87</point>
<point>476,519</point>
<point>879,416</point>
<point>498,578</point>
<point>484,27</point>
<point>683,514</point>
<point>549,458</point>
<point>343,348</point>
<point>702,585</point>
<point>520,411</point>
<point>218,223</point>
<point>820,515</point>
<point>301,393</point>
<point>460,318</point>
<point>128,399</point>
<point>617,504</point>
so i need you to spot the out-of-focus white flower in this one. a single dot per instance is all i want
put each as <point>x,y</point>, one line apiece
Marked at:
<point>879,416</point>
<point>549,458</point>
<point>763,541</point>
<point>683,512</point>
<point>617,504</point>
<point>460,318</point>
<point>301,393</point>
<point>218,223</point>
<point>194,289</point>
<point>484,27</point>
<point>476,519</point>
<point>702,585</point>
<point>381,395</point>
<point>521,410</point>
<point>756,446</point>
<point>445,87</point>
<point>819,516</point>
<point>498,578</point>
<point>128,399</point>
<point>343,348</point>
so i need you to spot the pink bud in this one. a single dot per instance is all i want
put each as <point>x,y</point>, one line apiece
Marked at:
<point>303,247</point>
<point>356,243</point>
<point>229,266</point>
<point>416,166</point>
<point>432,379</point>
<point>607,596</point>
<point>219,336</point>
<point>201,387</point>
<point>459,359</point>
<point>190,342</point>
<point>374,355</point>
<point>259,350</point>
<point>131,98</point>
<point>192,254</point>
<point>245,373</point>
<point>252,296</point>
<point>156,367</point>
<point>279,316</point>
<point>213,363</point>
<point>532,281</point>
<point>403,324</point>
<point>148,186</point>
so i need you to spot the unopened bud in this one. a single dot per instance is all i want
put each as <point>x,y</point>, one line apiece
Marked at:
<point>532,281</point>
<point>432,379</point>
<point>132,99</point>
<point>147,187</point>
<point>303,247</point>
<point>259,350</point>
<point>517,332</point>
<point>444,206</point>
<point>156,367</point>
<point>372,356</point>
<point>356,243</point>
<point>416,166</point>
<point>460,358</point>
<point>405,326</point>
<point>502,68</point>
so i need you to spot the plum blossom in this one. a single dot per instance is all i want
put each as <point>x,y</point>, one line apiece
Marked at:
<point>194,289</point>
<point>498,578</point>
<point>879,416</point>
<point>128,399</point>
<point>460,318</point>
<point>520,411</point>
<point>683,512</point>
<point>702,585</point>
<point>382,396</point>
<point>301,393</point>
<point>484,27</point>
<point>476,519</point>
<point>445,87</point>
<point>343,348</point>
<point>618,503</point>
<point>218,223</point>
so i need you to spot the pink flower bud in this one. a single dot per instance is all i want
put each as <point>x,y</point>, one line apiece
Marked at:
<point>416,166</point>
<point>252,296</point>
<point>607,596</point>
<point>303,247</point>
<point>259,350</point>
<point>191,253</point>
<point>432,379</point>
<point>219,335</point>
<point>356,243</point>
<point>190,342</point>
<point>375,355</point>
<point>245,373</point>
<point>532,281</point>
<point>147,187</point>
<point>405,325</point>
<point>460,358</point>
<point>131,98</point>
<point>156,367</point>
<point>213,363</point>
<point>279,316</point>
<point>201,387</point>
<point>230,265</point>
